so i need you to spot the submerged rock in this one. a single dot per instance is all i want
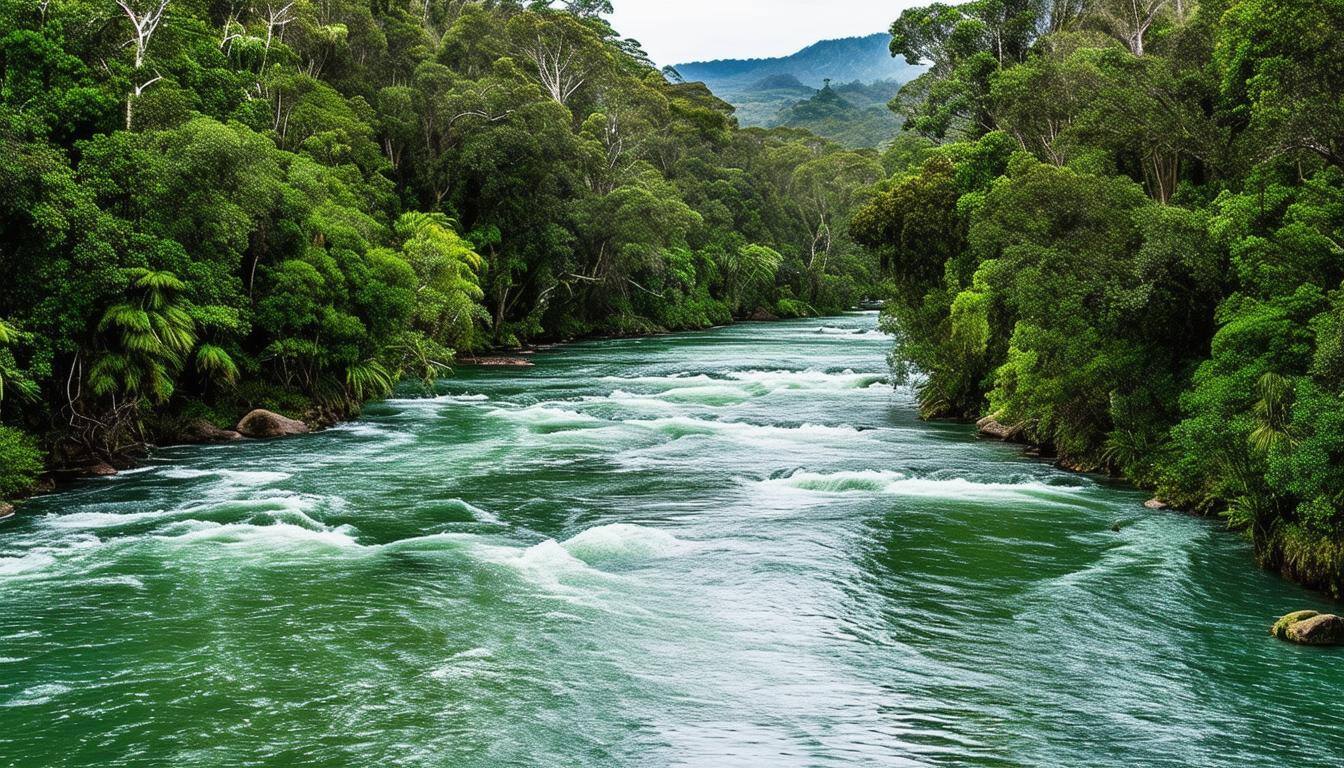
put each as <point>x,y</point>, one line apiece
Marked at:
<point>202,431</point>
<point>1310,628</point>
<point>263,424</point>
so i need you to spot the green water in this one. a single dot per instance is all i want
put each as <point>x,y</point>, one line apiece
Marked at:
<point>734,548</point>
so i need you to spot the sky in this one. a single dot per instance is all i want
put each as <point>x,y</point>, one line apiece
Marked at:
<point>679,31</point>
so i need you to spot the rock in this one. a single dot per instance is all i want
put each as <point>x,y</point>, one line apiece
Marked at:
<point>6,510</point>
<point>1280,628</point>
<point>1156,504</point>
<point>992,428</point>
<point>1324,629</point>
<point>503,362</point>
<point>1310,628</point>
<point>761,314</point>
<point>263,424</point>
<point>202,431</point>
<point>101,469</point>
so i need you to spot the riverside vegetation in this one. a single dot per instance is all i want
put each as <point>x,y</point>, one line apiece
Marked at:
<point>1128,247</point>
<point>211,206</point>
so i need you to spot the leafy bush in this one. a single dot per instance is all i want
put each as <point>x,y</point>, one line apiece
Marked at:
<point>20,462</point>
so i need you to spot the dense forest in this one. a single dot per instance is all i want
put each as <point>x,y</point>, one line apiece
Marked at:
<point>1123,239</point>
<point>213,205</point>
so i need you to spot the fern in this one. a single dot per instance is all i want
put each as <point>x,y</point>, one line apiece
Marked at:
<point>216,364</point>
<point>368,380</point>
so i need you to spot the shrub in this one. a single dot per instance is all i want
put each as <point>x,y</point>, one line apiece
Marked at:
<point>20,462</point>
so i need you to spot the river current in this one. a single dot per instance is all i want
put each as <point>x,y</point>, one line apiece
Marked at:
<point>730,548</point>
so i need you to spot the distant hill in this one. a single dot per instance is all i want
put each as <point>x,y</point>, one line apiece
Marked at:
<point>788,90</point>
<point>865,59</point>
<point>854,114</point>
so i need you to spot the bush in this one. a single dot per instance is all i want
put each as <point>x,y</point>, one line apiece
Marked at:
<point>20,462</point>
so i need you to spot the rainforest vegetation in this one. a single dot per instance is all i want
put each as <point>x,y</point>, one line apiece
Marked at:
<point>1119,231</point>
<point>211,205</point>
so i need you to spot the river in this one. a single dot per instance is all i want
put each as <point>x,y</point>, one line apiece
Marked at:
<point>730,548</point>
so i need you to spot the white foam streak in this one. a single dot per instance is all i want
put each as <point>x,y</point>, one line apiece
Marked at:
<point>895,483</point>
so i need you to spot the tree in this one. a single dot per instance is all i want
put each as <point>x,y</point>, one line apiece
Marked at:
<point>144,23</point>
<point>149,337</point>
<point>565,52</point>
<point>825,190</point>
<point>1282,74</point>
<point>1131,20</point>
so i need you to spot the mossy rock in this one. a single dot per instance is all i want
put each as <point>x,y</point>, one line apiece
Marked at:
<point>1280,628</point>
<point>1310,628</point>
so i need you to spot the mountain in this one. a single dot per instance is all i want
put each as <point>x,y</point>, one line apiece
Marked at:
<point>779,91</point>
<point>854,114</point>
<point>865,59</point>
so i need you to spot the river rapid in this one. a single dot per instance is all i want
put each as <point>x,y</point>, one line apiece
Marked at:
<point>730,548</point>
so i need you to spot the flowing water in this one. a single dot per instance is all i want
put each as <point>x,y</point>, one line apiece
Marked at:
<point>732,548</point>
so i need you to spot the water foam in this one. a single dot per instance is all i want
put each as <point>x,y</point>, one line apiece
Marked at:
<point>37,695</point>
<point>623,542</point>
<point>544,419</point>
<point>896,483</point>
<point>285,537</point>
<point>684,426</point>
<point>811,379</point>
<point>231,476</point>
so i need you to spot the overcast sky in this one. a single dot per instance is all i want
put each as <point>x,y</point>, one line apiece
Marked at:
<point>678,31</point>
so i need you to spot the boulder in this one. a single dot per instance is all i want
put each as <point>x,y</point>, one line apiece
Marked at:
<point>1310,628</point>
<point>101,469</point>
<point>202,431</point>
<point>6,510</point>
<point>264,424</point>
<point>991,427</point>
<point>761,314</point>
<point>1156,504</point>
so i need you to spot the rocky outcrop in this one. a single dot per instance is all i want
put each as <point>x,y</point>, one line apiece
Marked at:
<point>501,362</point>
<point>1310,628</point>
<point>100,469</point>
<point>761,315</point>
<point>993,429</point>
<point>202,431</point>
<point>266,424</point>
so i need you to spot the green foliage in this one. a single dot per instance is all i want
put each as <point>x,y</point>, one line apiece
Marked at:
<point>20,462</point>
<point>1140,256</point>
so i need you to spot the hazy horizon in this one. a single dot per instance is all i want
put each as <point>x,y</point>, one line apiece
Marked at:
<point>701,30</point>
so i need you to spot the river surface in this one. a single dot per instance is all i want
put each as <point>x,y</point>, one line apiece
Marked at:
<point>731,548</point>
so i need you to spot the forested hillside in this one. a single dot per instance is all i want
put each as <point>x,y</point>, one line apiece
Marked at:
<point>854,114</point>
<point>210,205</point>
<point>1128,244</point>
<point>761,88</point>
